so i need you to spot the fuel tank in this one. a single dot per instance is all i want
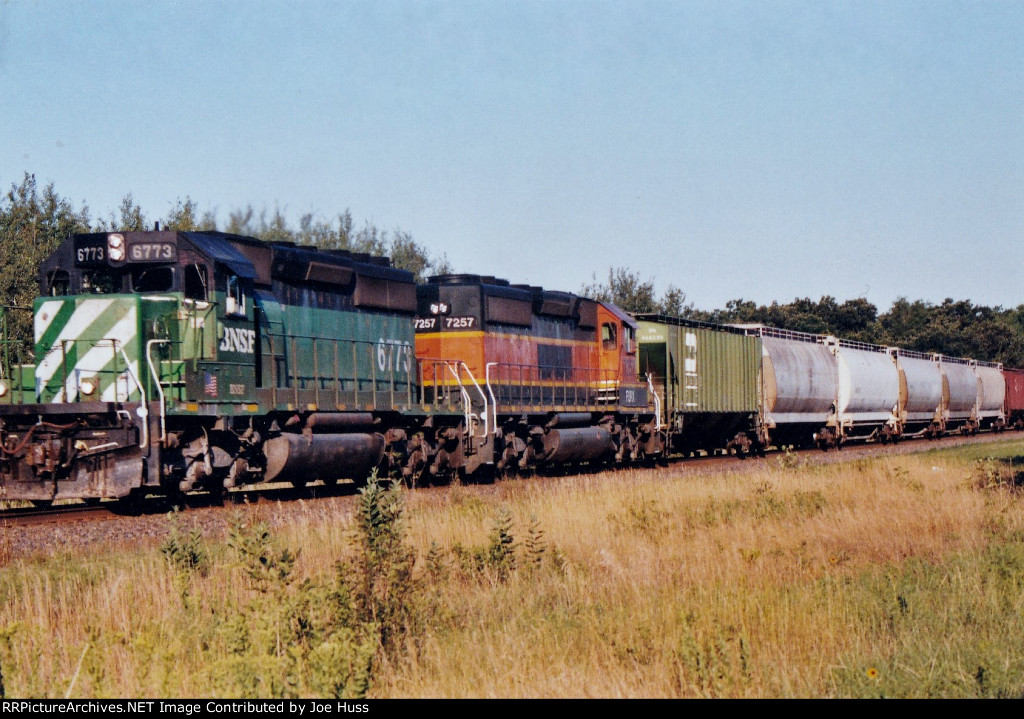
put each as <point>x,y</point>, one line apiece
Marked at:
<point>584,444</point>
<point>302,456</point>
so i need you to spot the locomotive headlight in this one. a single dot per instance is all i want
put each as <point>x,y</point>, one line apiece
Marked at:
<point>115,247</point>
<point>88,385</point>
<point>3,387</point>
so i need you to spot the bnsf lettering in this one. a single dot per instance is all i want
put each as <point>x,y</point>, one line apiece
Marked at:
<point>238,340</point>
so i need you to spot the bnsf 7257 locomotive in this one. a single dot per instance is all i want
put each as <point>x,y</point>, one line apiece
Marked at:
<point>173,361</point>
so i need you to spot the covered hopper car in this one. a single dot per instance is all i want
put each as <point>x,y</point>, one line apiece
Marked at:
<point>747,387</point>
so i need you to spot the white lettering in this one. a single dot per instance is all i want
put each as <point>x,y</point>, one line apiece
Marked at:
<point>236,339</point>
<point>393,354</point>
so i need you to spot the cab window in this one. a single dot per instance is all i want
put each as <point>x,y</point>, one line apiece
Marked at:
<point>608,336</point>
<point>153,279</point>
<point>235,302</point>
<point>58,283</point>
<point>100,282</point>
<point>195,282</point>
<point>629,339</point>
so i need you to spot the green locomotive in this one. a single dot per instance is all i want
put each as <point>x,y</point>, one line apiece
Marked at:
<point>181,360</point>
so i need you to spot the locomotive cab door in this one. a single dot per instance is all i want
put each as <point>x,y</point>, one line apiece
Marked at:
<point>617,354</point>
<point>610,338</point>
<point>233,377</point>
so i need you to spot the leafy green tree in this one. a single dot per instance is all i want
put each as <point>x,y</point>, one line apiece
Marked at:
<point>129,218</point>
<point>183,217</point>
<point>625,289</point>
<point>33,222</point>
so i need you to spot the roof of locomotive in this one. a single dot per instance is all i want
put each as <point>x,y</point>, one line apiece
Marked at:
<point>545,302</point>
<point>218,248</point>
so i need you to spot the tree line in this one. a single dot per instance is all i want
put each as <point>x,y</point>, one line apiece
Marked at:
<point>957,328</point>
<point>34,220</point>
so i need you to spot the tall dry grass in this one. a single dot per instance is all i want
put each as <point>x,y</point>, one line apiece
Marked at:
<point>897,577</point>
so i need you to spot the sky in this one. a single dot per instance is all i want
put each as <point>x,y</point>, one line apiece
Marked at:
<point>761,150</point>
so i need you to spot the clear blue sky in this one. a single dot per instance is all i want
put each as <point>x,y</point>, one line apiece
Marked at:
<point>765,150</point>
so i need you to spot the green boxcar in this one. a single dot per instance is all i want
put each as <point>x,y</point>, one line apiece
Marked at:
<point>707,378</point>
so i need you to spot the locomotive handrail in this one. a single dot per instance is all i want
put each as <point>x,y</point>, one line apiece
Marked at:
<point>465,395</point>
<point>593,382</point>
<point>143,410</point>
<point>490,391</point>
<point>482,397</point>
<point>657,403</point>
<point>159,387</point>
<point>327,371</point>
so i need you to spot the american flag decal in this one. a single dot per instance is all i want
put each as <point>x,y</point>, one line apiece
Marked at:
<point>209,384</point>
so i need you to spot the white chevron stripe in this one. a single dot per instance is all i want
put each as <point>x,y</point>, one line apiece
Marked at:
<point>100,356</point>
<point>84,315</point>
<point>47,311</point>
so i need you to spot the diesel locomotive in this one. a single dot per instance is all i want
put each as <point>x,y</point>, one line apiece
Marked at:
<point>165,362</point>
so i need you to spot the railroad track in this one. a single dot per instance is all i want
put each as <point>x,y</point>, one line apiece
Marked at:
<point>113,510</point>
<point>58,514</point>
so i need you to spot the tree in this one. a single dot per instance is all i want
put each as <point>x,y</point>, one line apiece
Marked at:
<point>182,216</point>
<point>32,223</point>
<point>624,289</point>
<point>130,218</point>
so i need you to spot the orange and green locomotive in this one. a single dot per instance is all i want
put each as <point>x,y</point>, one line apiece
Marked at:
<point>551,377</point>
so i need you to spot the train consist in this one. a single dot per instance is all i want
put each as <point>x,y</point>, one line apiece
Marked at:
<point>166,362</point>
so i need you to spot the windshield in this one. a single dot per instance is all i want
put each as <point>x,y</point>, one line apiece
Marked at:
<point>153,279</point>
<point>101,282</point>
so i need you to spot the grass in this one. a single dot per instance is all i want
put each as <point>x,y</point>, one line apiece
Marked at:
<point>897,577</point>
